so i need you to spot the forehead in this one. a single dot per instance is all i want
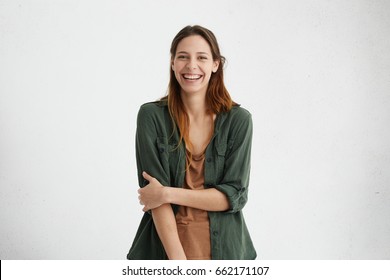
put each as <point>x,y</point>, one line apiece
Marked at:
<point>194,43</point>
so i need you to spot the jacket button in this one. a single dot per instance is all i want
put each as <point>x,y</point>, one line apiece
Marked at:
<point>209,159</point>
<point>162,150</point>
<point>215,233</point>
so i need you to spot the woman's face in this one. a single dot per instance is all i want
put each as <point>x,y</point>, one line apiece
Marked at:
<point>193,64</point>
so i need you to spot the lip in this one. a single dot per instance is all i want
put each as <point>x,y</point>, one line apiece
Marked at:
<point>191,77</point>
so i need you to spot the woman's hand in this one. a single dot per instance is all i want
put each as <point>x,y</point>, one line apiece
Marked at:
<point>152,195</point>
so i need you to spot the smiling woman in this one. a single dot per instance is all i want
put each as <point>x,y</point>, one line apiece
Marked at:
<point>193,157</point>
<point>193,65</point>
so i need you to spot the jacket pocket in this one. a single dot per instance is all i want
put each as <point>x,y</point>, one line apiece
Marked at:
<point>172,159</point>
<point>163,153</point>
<point>163,148</point>
<point>222,152</point>
<point>220,161</point>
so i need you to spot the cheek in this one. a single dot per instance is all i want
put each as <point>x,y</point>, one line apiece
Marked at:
<point>208,72</point>
<point>177,67</point>
<point>177,76</point>
<point>175,70</point>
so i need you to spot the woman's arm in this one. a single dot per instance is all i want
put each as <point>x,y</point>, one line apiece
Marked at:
<point>207,199</point>
<point>148,158</point>
<point>154,194</point>
<point>230,194</point>
<point>165,223</point>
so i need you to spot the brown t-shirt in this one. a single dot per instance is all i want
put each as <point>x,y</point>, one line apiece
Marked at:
<point>193,224</point>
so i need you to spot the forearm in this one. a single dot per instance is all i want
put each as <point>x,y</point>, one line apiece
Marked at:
<point>207,199</point>
<point>165,222</point>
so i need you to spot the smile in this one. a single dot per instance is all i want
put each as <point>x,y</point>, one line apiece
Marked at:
<point>192,77</point>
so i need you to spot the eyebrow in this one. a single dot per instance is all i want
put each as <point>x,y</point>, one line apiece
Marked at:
<point>196,53</point>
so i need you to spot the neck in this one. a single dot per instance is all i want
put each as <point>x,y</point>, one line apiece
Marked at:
<point>195,105</point>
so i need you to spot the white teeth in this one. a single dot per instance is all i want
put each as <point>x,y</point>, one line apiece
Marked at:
<point>191,77</point>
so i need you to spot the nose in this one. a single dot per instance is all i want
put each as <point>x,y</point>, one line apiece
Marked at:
<point>191,64</point>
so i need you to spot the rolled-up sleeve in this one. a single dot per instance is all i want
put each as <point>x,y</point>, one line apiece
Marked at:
<point>235,179</point>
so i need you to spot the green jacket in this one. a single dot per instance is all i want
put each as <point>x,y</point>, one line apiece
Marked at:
<point>227,168</point>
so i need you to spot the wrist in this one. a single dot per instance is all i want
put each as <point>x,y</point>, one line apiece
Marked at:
<point>167,194</point>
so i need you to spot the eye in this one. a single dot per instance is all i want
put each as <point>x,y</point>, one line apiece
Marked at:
<point>182,57</point>
<point>202,57</point>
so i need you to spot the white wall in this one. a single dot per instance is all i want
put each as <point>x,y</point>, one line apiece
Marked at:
<point>315,75</point>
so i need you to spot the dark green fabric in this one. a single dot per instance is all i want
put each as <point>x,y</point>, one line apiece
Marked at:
<point>227,168</point>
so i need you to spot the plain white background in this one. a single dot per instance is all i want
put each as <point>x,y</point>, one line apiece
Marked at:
<point>314,74</point>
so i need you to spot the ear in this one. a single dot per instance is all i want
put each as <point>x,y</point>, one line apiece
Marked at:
<point>215,66</point>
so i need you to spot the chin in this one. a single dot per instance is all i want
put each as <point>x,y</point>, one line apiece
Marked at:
<point>192,90</point>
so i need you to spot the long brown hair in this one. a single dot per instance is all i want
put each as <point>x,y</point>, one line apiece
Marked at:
<point>218,98</point>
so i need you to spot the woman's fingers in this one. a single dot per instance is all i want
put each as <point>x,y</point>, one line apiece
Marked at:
<point>149,195</point>
<point>147,176</point>
<point>140,201</point>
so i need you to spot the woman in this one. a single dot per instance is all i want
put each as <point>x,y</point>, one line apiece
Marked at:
<point>193,159</point>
